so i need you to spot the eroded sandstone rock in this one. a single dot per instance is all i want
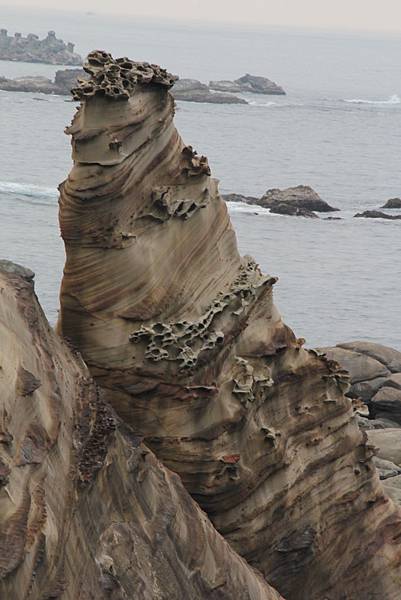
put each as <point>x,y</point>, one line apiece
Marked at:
<point>86,510</point>
<point>182,335</point>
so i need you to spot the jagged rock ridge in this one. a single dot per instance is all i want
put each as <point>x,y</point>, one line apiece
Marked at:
<point>182,335</point>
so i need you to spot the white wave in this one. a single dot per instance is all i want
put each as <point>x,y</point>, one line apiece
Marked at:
<point>394,99</point>
<point>251,209</point>
<point>28,190</point>
<point>255,103</point>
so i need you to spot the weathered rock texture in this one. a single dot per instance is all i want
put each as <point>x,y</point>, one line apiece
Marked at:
<point>32,49</point>
<point>86,510</point>
<point>375,373</point>
<point>182,335</point>
<point>192,90</point>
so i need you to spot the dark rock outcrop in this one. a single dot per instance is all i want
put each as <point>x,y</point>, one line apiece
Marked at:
<point>248,83</point>
<point>377,214</point>
<point>284,208</point>
<point>183,338</point>
<point>31,49</point>
<point>393,203</point>
<point>301,196</point>
<point>300,201</point>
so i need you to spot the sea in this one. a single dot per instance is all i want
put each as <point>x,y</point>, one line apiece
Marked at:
<point>338,129</point>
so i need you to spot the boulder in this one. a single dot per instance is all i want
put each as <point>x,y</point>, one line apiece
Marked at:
<point>377,214</point>
<point>386,468</point>
<point>386,403</point>
<point>390,357</point>
<point>248,83</point>
<point>387,443</point>
<point>301,196</point>
<point>359,366</point>
<point>393,203</point>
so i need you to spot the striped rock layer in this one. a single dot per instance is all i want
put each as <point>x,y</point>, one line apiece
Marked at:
<point>183,336</point>
<point>86,510</point>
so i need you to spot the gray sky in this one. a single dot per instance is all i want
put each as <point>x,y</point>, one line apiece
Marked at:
<point>354,14</point>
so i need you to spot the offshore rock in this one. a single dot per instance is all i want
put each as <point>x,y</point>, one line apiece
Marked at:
<point>377,214</point>
<point>64,81</point>
<point>283,208</point>
<point>182,335</point>
<point>31,49</point>
<point>301,196</point>
<point>393,203</point>
<point>248,83</point>
<point>86,510</point>
<point>192,90</point>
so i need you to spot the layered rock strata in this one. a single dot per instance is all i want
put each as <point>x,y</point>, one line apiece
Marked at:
<point>182,335</point>
<point>86,510</point>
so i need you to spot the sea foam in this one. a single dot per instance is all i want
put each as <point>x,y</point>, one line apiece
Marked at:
<point>394,99</point>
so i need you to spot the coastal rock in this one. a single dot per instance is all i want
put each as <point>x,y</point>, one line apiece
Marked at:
<point>284,208</point>
<point>393,203</point>
<point>239,198</point>
<point>87,511</point>
<point>192,90</point>
<point>375,372</point>
<point>377,214</point>
<point>40,85</point>
<point>301,196</point>
<point>248,83</point>
<point>33,50</point>
<point>183,338</point>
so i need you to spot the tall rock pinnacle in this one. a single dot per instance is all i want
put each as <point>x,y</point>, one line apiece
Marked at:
<point>183,336</point>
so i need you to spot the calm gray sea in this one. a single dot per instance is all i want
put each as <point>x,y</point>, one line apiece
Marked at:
<point>338,130</point>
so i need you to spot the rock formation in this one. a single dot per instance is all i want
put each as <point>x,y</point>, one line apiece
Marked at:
<point>185,90</point>
<point>183,338</point>
<point>393,203</point>
<point>377,214</point>
<point>33,50</point>
<point>299,201</point>
<point>86,510</point>
<point>248,83</point>
<point>192,90</point>
<point>375,375</point>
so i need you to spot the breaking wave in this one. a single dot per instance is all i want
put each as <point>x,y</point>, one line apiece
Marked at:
<point>394,99</point>
<point>28,190</point>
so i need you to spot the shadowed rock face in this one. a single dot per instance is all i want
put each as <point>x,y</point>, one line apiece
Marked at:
<point>86,510</point>
<point>183,336</point>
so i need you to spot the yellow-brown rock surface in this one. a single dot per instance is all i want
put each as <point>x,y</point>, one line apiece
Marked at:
<point>183,336</point>
<point>86,511</point>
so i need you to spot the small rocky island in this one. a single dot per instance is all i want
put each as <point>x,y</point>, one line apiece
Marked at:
<point>248,83</point>
<point>299,201</point>
<point>31,49</point>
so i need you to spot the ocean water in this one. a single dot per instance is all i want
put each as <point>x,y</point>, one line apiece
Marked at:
<point>338,130</point>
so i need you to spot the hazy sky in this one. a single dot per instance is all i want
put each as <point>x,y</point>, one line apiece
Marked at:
<point>354,14</point>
